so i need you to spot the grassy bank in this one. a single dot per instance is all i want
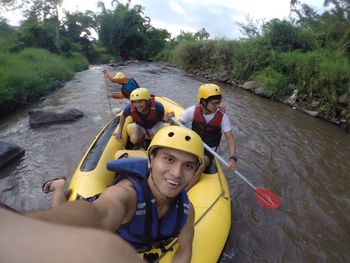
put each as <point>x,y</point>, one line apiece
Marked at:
<point>32,73</point>
<point>321,76</point>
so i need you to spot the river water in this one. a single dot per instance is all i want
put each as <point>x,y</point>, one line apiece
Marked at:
<point>302,159</point>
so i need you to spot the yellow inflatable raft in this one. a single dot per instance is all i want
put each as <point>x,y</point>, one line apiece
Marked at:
<point>210,196</point>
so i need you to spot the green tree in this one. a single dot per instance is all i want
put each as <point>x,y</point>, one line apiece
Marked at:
<point>284,36</point>
<point>113,28</point>
<point>76,32</point>
<point>127,33</point>
<point>251,28</point>
<point>10,5</point>
<point>7,34</point>
<point>41,28</point>
<point>200,35</point>
<point>331,29</point>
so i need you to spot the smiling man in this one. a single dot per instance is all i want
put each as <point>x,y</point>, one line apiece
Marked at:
<point>147,115</point>
<point>147,204</point>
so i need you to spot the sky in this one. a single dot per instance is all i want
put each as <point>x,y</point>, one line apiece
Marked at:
<point>220,18</point>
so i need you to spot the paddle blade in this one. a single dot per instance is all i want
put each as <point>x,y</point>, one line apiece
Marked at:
<point>267,198</point>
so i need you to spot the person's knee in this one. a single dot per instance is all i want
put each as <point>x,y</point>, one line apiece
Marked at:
<point>137,136</point>
<point>136,139</point>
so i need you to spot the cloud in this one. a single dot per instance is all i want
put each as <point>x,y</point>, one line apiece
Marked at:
<point>218,17</point>
<point>177,8</point>
<point>189,16</point>
<point>174,29</point>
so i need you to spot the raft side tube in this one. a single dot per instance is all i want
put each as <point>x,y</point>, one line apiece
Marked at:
<point>93,156</point>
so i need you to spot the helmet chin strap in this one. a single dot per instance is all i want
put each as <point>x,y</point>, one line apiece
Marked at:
<point>204,104</point>
<point>147,108</point>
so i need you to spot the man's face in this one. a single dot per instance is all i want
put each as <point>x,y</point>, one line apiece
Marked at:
<point>140,105</point>
<point>172,170</point>
<point>213,105</point>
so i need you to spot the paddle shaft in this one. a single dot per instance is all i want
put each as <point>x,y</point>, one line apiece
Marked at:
<point>218,157</point>
<point>109,99</point>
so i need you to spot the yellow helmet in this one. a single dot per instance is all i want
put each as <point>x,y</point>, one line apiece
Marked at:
<point>178,138</point>
<point>140,94</point>
<point>119,75</point>
<point>207,90</point>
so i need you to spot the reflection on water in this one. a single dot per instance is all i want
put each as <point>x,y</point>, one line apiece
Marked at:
<point>304,160</point>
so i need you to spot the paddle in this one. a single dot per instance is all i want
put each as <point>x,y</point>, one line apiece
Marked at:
<point>265,197</point>
<point>109,99</point>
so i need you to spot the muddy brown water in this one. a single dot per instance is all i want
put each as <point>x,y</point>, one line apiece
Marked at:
<point>304,160</point>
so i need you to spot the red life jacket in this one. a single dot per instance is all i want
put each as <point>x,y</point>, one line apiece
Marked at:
<point>146,121</point>
<point>209,132</point>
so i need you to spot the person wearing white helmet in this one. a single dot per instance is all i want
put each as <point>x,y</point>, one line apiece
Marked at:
<point>147,205</point>
<point>209,120</point>
<point>128,84</point>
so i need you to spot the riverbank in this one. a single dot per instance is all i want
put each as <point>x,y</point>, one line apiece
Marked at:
<point>32,73</point>
<point>310,104</point>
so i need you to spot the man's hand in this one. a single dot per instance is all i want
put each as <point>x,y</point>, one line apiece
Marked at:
<point>118,135</point>
<point>168,116</point>
<point>231,165</point>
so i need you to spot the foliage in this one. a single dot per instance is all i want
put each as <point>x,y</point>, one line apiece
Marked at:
<point>251,28</point>
<point>29,74</point>
<point>284,36</point>
<point>8,5</point>
<point>37,35</point>
<point>125,32</point>
<point>275,82</point>
<point>240,58</point>
<point>188,36</point>
<point>325,73</point>
<point>8,33</point>
<point>76,34</point>
<point>310,50</point>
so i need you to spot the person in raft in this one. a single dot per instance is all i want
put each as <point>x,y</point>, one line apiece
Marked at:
<point>128,84</point>
<point>209,120</point>
<point>147,204</point>
<point>147,114</point>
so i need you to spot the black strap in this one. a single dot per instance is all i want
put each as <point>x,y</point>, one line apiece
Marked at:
<point>148,217</point>
<point>180,214</point>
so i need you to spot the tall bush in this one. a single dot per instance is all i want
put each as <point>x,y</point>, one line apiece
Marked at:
<point>29,74</point>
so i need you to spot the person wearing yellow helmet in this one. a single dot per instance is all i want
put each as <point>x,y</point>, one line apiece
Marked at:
<point>128,84</point>
<point>147,204</point>
<point>147,115</point>
<point>209,120</point>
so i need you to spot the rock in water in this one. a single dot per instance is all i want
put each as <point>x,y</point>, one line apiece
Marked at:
<point>40,117</point>
<point>9,152</point>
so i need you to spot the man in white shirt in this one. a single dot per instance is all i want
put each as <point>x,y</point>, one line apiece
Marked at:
<point>210,121</point>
